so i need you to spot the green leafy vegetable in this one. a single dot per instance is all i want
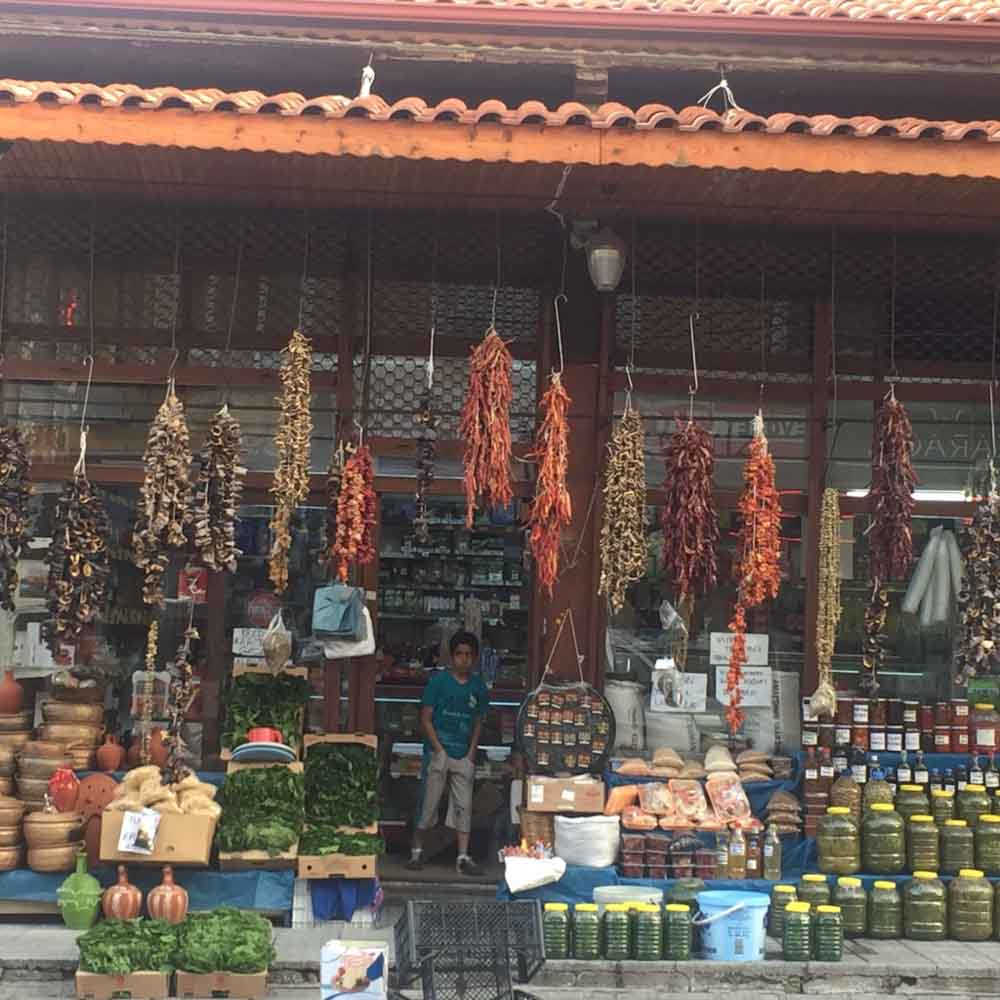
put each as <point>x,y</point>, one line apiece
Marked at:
<point>341,785</point>
<point>323,840</point>
<point>265,700</point>
<point>225,940</point>
<point>121,947</point>
<point>262,810</point>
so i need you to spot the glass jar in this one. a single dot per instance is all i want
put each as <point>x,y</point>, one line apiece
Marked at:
<point>983,726</point>
<point>617,933</point>
<point>810,734</point>
<point>911,800</point>
<point>971,803</point>
<point>942,805</point>
<point>648,942</point>
<point>970,906</point>
<point>894,738</point>
<point>861,711</point>
<point>878,712</point>
<point>849,894</point>
<point>925,718</point>
<point>885,912</point>
<point>677,934</point>
<point>813,889</point>
<point>925,908</point>
<point>828,934</point>
<point>859,736</point>
<point>838,842</point>
<point>847,792</point>
<point>844,714</point>
<point>876,790</point>
<point>555,930</point>
<point>942,739</point>
<point>781,896</point>
<point>958,848</point>
<point>586,932</point>
<point>988,844</point>
<point>911,710</point>
<point>923,844</point>
<point>796,943</point>
<point>883,841</point>
<point>959,712</point>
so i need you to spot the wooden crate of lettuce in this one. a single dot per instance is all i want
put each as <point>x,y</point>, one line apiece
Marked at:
<point>132,958</point>
<point>263,808</point>
<point>341,779</point>
<point>256,697</point>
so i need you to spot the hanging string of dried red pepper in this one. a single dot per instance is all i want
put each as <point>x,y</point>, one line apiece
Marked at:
<point>354,540</point>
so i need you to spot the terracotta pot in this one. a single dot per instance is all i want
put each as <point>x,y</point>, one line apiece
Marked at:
<point>157,750</point>
<point>168,901</point>
<point>11,695</point>
<point>92,841</point>
<point>122,901</point>
<point>96,793</point>
<point>10,836</point>
<point>111,755</point>
<point>64,787</point>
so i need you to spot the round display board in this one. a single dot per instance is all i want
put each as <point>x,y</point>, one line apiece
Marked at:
<point>566,728</point>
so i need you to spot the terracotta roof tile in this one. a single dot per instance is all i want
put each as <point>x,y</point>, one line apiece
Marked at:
<point>608,116</point>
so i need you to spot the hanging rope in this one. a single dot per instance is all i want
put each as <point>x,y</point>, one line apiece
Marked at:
<point>552,206</point>
<point>729,102</point>
<point>693,388</point>
<point>80,469</point>
<point>893,371</point>
<point>567,615</point>
<point>227,352</point>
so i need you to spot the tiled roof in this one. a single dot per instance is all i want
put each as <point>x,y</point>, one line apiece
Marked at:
<point>413,109</point>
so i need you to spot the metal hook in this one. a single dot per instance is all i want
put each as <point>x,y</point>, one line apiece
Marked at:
<point>693,389</point>
<point>173,366</point>
<point>555,304</point>
<point>88,360</point>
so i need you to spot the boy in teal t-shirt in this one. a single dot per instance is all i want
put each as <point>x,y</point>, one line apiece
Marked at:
<point>451,717</point>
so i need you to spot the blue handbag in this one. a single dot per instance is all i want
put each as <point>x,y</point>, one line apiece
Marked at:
<point>337,611</point>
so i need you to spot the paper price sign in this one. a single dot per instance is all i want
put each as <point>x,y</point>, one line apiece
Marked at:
<point>755,686</point>
<point>721,647</point>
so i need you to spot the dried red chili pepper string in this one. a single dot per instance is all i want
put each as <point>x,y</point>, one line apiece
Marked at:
<point>354,541</point>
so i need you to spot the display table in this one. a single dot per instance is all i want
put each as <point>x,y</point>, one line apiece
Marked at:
<point>889,759</point>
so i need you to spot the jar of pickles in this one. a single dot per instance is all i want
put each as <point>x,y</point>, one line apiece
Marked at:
<point>885,912</point>
<point>586,932</point>
<point>988,844</point>
<point>942,805</point>
<point>925,908</point>
<point>849,894</point>
<point>912,800</point>
<point>617,932</point>
<point>923,844</point>
<point>838,842</point>
<point>813,889</point>
<point>555,930</point>
<point>883,841</point>
<point>970,906</point>
<point>648,933</point>
<point>781,896</point>
<point>796,943</point>
<point>958,849</point>
<point>677,932</point>
<point>971,803</point>
<point>828,934</point>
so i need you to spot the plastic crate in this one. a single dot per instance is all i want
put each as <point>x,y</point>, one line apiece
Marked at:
<point>467,973</point>
<point>427,928</point>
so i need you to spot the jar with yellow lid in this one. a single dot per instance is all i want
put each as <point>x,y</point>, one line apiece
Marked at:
<point>586,932</point>
<point>971,803</point>
<point>885,912</point>
<point>814,889</point>
<point>883,841</point>
<point>648,933</point>
<point>970,906</point>
<point>988,844</point>
<point>555,930</point>
<point>958,848</point>
<point>781,896</point>
<point>925,908</point>
<point>923,844</point>
<point>838,842</point>
<point>849,894</point>
<point>912,800</point>
<point>942,805</point>
<point>677,933</point>
<point>828,934</point>
<point>796,943</point>
<point>617,932</point>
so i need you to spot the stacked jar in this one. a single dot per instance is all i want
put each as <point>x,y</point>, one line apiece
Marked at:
<point>925,908</point>
<point>923,844</point>
<point>984,724</point>
<point>959,725</point>
<point>796,944</point>
<point>883,841</point>
<point>970,906</point>
<point>987,838</point>
<point>942,805</point>
<point>957,847</point>
<point>849,894</point>
<point>911,725</point>
<point>971,803</point>
<point>828,934</point>
<point>813,889</point>
<point>911,800</point>
<point>781,896</point>
<point>838,842</point>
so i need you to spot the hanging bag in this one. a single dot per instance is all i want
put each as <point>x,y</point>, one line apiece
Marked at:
<point>277,644</point>
<point>363,645</point>
<point>337,612</point>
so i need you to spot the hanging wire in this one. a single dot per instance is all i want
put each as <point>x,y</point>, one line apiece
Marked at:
<point>227,354</point>
<point>833,342</point>
<point>630,364</point>
<point>80,469</point>
<point>993,372</point>
<point>3,282</point>
<point>366,360</point>
<point>430,353</point>
<point>729,102</point>
<point>305,275</point>
<point>693,389</point>
<point>496,286</point>
<point>893,371</point>
<point>176,308</point>
<point>553,206</point>
<point>561,297</point>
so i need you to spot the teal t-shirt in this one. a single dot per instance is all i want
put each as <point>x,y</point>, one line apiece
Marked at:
<point>456,708</point>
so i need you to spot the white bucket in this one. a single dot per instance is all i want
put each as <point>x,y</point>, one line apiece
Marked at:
<point>605,894</point>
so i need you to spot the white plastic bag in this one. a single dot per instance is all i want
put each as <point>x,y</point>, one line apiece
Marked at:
<point>589,841</point>
<point>531,873</point>
<point>363,645</point>
<point>277,644</point>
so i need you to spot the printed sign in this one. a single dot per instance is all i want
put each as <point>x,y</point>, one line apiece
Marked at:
<point>138,834</point>
<point>721,648</point>
<point>755,687</point>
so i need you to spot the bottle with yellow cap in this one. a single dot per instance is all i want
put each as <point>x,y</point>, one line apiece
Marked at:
<point>971,803</point>
<point>586,932</point>
<point>796,941</point>
<point>617,932</point>
<point>970,906</point>
<point>885,912</point>
<point>555,930</point>
<point>883,841</point>
<point>942,805</point>
<point>912,800</point>
<point>849,894</point>
<point>925,908</point>
<point>677,932</point>
<point>958,849</point>
<point>781,896</point>
<point>814,889</point>
<point>923,845</point>
<point>838,843</point>
<point>988,844</point>
<point>828,934</point>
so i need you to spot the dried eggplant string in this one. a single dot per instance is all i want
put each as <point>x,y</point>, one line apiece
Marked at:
<point>824,699</point>
<point>217,493</point>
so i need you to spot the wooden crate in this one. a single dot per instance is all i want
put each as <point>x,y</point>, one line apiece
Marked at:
<point>239,669</point>
<point>338,866</point>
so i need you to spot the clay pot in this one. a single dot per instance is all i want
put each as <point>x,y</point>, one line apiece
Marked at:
<point>10,836</point>
<point>19,722</point>
<point>41,767</point>
<point>111,755</point>
<point>122,901</point>
<point>157,750</point>
<point>64,786</point>
<point>79,896</point>
<point>168,901</point>
<point>96,794</point>
<point>11,811</point>
<point>72,732</point>
<point>32,789</point>
<point>45,748</point>
<point>11,695</point>
<point>11,857</point>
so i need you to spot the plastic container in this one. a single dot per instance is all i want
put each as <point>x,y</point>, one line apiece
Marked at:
<point>796,943</point>
<point>677,933</point>
<point>732,925</point>
<point>555,930</point>
<point>845,791</point>
<point>984,724</point>
<point>988,844</point>
<point>958,848</point>
<point>838,842</point>
<point>648,943</point>
<point>781,896</point>
<point>971,803</point>
<point>925,908</point>
<point>606,894</point>
<point>970,906</point>
<point>942,805</point>
<point>586,932</point>
<point>617,932</point>
<point>912,800</point>
<point>828,934</point>
<point>923,844</point>
<point>876,790</point>
<point>814,889</point>
<point>885,912</point>
<point>849,894</point>
<point>883,841</point>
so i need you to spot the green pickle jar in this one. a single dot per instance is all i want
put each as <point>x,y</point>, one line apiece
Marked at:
<point>796,943</point>
<point>828,934</point>
<point>923,844</point>
<point>988,844</point>
<point>677,932</point>
<point>958,848</point>
<point>970,906</point>
<point>885,912</point>
<point>814,889</point>
<point>586,932</point>
<point>996,912</point>
<point>911,800</point>
<point>849,894</point>
<point>971,803</point>
<point>925,908</point>
<point>838,842</point>
<point>648,933</point>
<point>555,930</point>
<point>883,841</point>
<point>781,896</point>
<point>617,932</point>
<point>942,805</point>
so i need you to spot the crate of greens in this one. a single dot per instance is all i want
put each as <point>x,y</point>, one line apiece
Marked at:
<point>133,958</point>
<point>258,699</point>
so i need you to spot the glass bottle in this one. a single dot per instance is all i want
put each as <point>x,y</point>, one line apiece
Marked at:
<point>949,784</point>
<point>904,773</point>
<point>827,773</point>
<point>961,778</point>
<point>772,854</point>
<point>841,760</point>
<point>754,854</point>
<point>737,854</point>
<point>937,782</point>
<point>859,766</point>
<point>722,856</point>
<point>976,773</point>
<point>992,776</point>
<point>921,776</point>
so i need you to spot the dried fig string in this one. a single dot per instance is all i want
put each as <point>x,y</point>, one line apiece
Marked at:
<point>182,692</point>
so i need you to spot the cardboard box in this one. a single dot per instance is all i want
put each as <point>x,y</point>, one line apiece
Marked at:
<point>564,795</point>
<point>222,984</point>
<point>180,840</point>
<point>359,969</point>
<point>337,865</point>
<point>137,986</point>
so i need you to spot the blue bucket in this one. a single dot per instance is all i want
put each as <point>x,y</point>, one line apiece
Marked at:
<point>732,924</point>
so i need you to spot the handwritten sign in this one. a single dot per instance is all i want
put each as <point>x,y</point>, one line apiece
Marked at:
<point>755,687</point>
<point>721,648</point>
<point>694,691</point>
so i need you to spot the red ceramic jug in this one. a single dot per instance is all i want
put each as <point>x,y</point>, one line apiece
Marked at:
<point>111,755</point>
<point>168,901</point>
<point>11,694</point>
<point>64,786</point>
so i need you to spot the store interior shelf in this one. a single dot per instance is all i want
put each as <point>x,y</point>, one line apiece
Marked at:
<point>414,692</point>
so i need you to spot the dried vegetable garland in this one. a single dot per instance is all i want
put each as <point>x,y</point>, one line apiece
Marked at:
<point>824,699</point>
<point>623,540</point>
<point>292,445</point>
<point>873,646</point>
<point>149,687</point>
<point>427,422</point>
<point>978,646</point>
<point>552,508</point>
<point>334,484</point>
<point>485,427</point>
<point>758,565</point>
<point>182,692</point>
<point>217,493</point>
<point>14,493</point>
<point>354,538</point>
<point>165,495</point>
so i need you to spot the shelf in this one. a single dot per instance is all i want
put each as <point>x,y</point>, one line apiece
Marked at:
<point>403,616</point>
<point>423,587</point>
<point>395,556</point>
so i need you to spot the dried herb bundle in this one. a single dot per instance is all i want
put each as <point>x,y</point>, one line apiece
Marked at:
<point>893,482</point>
<point>978,646</point>
<point>149,686</point>
<point>334,484</point>
<point>824,699</point>
<point>78,561</point>
<point>217,493</point>
<point>552,508</point>
<point>292,444</point>
<point>485,427</point>
<point>427,421</point>
<point>690,524</point>
<point>354,540</point>
<point>623,540</point>
<point>182,692</point>
<point>14,493</point>
<point>164,497</point>
<point>873,647</point>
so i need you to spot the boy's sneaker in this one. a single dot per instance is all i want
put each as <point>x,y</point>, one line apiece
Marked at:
<point>416,862</point>
<point>466,866</point>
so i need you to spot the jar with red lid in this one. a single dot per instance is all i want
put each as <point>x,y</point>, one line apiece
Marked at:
<point>942,739</point>
<point>876,738</point>
<point>926,716</point>
<point>911,710</point>
<point>983,726</point>
<point>859,736</point>
<point>959,712</point>
<point>879,711</point>
<point>942,714</point>
<point>960,739</point>
<point>845,710</point>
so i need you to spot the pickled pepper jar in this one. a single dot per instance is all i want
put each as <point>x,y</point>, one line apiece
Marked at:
<point>885,912</point>
<point>781,896</point>
<point>828,934</point>
<point>988,844</point>
<point>555,930</point>
<point>796,944</point>
<point>912,800</point>
<point>942,805</point>
<point>586,932</point>
<point>923,844</point>
<point>925,908</point>
<point>849,894</point>
<point>970,906</point>
<point>617,932</point>
<point>677,935</point>
<point>971,803</point>
<point>883,841</point>
<point>813,889</point>
<point>838,842</point>
<point>958,848</point>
